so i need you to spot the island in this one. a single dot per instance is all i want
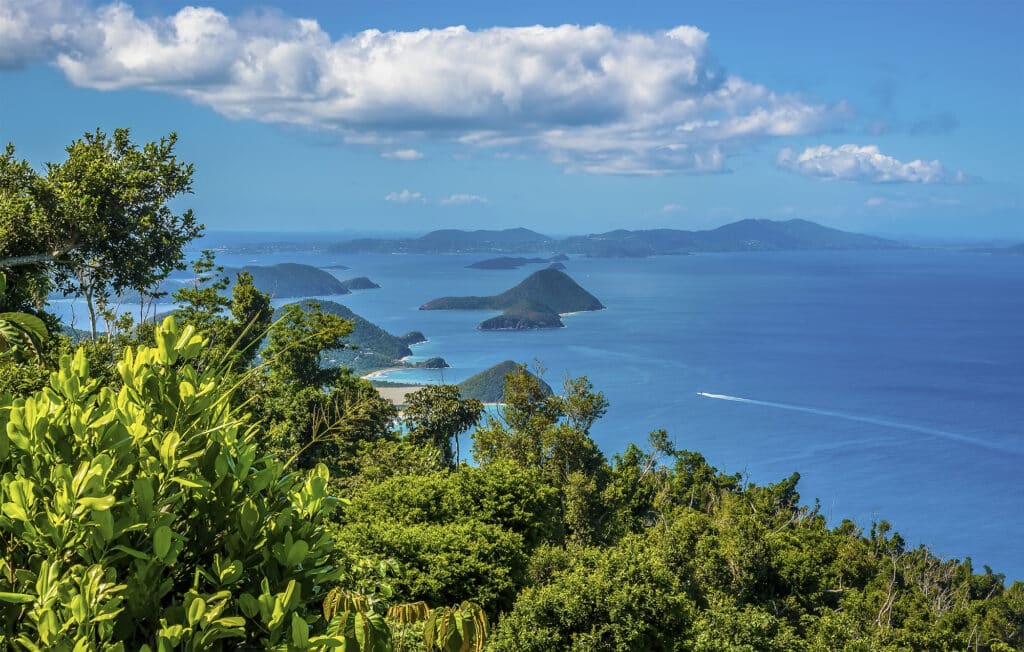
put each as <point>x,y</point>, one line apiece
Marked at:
<point>557,265</point>
<point>537,302</point>
<point>290,280</point>
<point>505,262</point>
<point>488,386</point>
<point>359,283</point>
<point>744,235</point>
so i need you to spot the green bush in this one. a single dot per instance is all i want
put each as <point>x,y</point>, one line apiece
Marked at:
<point>143,514</point>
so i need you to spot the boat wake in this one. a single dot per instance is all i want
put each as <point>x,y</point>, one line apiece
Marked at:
<point>876,421</point>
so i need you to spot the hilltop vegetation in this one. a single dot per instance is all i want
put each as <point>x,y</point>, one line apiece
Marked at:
<point>536,302</point>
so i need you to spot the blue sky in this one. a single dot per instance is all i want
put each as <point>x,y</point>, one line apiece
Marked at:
<point>898,118</point>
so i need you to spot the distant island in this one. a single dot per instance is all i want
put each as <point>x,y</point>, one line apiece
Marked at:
<point>359,283</point>
<point>537,302</point>
<point>1015,249</point>
<point>373,348</point>
<point>488,386</point>
<point>288,280</point>
<point>506,262</point>
<point>744,235</point>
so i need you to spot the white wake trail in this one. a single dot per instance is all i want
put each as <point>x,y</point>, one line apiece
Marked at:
<point>876,421</point>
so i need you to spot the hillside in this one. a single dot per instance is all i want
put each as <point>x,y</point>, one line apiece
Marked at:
<point>535,303</point>
<point>488,386</point>
<point>744,235</point>
<point>287,280</point>
<point>376,348</point>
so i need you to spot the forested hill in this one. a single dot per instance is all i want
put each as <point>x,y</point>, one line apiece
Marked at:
<point>745,235</point>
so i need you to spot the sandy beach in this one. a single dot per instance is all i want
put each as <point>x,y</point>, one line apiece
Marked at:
<point>396,395</point>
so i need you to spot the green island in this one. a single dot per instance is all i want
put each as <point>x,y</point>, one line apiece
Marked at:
<point>488,386</point>
<point>211,483</point>
<point>290,280</point>
<point>536,302</point>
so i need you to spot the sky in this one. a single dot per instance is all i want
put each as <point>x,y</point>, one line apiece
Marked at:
<point>899,118</point>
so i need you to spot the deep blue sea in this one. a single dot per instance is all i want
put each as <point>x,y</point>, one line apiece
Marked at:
<point>892,381</point>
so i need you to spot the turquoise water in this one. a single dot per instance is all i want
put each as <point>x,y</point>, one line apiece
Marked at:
<point>892,381</point>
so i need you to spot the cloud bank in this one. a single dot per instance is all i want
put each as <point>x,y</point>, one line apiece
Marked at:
<point>591,98</point>
<point>865,163</point>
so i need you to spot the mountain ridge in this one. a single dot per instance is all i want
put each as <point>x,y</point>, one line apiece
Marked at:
<point>744,235</point>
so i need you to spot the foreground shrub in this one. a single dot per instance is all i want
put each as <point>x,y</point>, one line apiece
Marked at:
<point>146,515</point>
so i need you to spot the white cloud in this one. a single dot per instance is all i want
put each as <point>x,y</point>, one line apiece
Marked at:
<point>592,98</point>
<point>668,209</point>
<point>403,154</point>
<point>405,197</point>
<point>36,30</point>
<point>864,163</point>
<point>462,198</point>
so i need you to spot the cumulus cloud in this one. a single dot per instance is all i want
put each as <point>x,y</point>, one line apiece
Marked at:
<point>592,98</point>
<point>462,198</point>
<point>37,30</point>
<point>405,197</point>
<point>864,163</point>
<point>403,154</point>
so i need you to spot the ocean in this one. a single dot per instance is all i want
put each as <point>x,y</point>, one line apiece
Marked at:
<point>893,381</point>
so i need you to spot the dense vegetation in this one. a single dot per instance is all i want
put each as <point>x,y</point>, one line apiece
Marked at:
<point>163,487</point>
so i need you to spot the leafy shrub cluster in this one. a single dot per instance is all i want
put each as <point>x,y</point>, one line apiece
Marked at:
<point>147,514</point>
